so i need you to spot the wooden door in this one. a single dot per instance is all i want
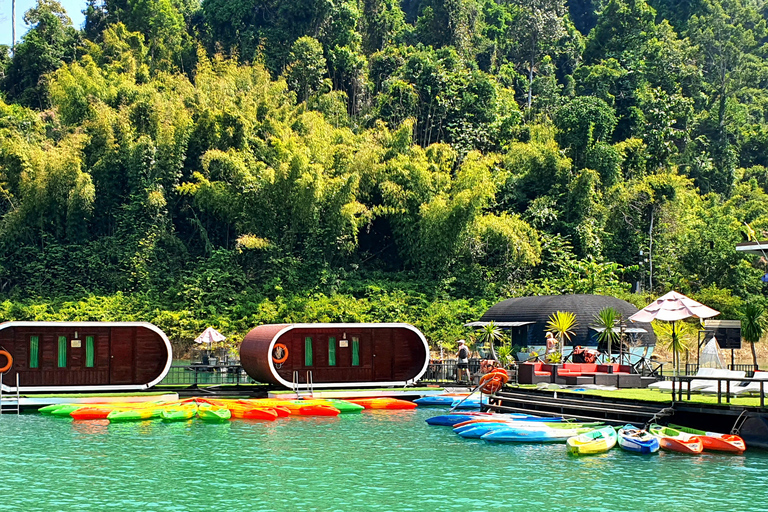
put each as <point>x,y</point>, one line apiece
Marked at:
<point>121,356</point>
<point>383,355</point>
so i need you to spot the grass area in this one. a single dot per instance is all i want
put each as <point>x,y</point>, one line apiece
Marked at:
<point>651,395</point>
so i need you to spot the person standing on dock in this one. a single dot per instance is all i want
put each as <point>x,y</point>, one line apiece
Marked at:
<point>462,364</point>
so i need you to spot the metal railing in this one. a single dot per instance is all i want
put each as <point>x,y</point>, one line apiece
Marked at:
<point>447,371</point>
<point>693,368</point>
<point>205,375</point>
<point>726,387</point>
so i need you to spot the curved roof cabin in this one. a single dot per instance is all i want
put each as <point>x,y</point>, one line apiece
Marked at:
<point>527,318</point>
<point>84,356</point>
<point>335,355</point>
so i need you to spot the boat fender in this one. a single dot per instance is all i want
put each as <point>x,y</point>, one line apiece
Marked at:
<point>9,357</point>
<point>279,353</point>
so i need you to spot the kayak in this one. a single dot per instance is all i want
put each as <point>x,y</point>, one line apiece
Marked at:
<point>599,440</point>
<point>91,413</point>
<point>677,441</point>
<point>506,418</point>
<point>178,412</point>
<point>141,414</point>
<point>247,412</point>
<point>437,400</point>
<point>454,419</point>
<point>213,413</point>
<point>636,440</point>
<point>343,406</point>
<point>469,403</point>
<point>477,430</point>
<point>383,403</point>
<point>62,409</point>
<point>538,435</point>
<point>715,441</point>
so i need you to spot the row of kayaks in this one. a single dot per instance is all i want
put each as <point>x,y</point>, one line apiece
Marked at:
<point>585,438</point>
<point>219,410</point>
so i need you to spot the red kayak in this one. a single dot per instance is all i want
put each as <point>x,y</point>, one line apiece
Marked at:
<point>91,413</point>
<point>318,410</point>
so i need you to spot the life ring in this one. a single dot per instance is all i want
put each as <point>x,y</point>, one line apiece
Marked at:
<point>278,349</point>
<point>493,381</point>
<point>9,363</point>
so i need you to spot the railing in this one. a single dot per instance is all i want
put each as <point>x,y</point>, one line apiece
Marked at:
<point>682,384</point>
<point>447,371</point>
<point>205,374</point>
<point>693,368</point>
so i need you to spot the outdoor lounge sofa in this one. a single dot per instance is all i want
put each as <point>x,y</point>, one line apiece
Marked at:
<point>533,373</point>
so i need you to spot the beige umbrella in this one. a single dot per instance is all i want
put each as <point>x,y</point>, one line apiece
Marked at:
<point>673,307</point>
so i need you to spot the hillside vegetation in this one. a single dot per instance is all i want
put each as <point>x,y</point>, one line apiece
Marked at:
<point>234,162</point>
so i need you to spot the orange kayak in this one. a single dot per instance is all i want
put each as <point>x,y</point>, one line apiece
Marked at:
<point>383,403</point>
<point>715,441</point>
<point>677,441</point>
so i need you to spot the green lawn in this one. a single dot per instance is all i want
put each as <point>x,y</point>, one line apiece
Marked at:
<point>656,396</point>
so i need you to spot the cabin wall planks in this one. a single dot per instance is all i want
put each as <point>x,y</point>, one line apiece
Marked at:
<point>126,356</point>
<point>388,354</point>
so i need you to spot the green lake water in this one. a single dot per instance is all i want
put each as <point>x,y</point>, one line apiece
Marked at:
<point>377,460</point>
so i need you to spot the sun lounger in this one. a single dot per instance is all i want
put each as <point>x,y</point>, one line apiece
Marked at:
<point>666,385</point>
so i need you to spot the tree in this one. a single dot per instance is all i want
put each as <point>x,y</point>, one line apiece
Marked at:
<point>539,25</point>
<point>489,335</point>
<point>754,324</point>
<point>678,336</point>
<point>562,324</point>
<point>51,42</point>
<point>581,123</point>
<point>606,320</point>
<point>307,68</point>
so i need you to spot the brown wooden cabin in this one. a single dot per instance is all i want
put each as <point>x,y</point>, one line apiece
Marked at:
<point>84,356</point>
<point>335,355</point>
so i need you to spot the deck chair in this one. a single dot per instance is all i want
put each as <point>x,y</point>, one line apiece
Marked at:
<point>666,385</point>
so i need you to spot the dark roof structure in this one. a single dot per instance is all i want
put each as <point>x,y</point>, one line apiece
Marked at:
<point>537,310</point>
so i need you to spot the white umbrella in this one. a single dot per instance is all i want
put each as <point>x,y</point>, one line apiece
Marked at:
<point>673,307</point>
<point>209,336</point>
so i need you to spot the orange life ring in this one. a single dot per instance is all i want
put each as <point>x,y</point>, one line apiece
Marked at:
<point>276,350</point>
<point>9,363</point>
<point>493,381</point>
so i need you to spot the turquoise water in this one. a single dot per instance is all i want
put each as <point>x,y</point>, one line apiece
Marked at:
<point>377,460</point>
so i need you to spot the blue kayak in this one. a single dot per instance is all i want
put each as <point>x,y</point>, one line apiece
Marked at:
<point>539,435</point>
<point>477,430</point>
<point>446,401</point>
<point>635,440</point>
<point>454,418</point>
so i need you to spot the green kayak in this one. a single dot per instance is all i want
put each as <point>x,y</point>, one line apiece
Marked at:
<point>213,414</point>
<point>179,413</point>
<point>345,407</point>
<point>63,410</point>
<point>146,413</point>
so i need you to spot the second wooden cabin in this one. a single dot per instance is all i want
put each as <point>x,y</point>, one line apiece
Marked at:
<point>335,355</point>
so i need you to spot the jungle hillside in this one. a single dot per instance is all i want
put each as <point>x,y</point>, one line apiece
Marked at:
<point>237,162</point>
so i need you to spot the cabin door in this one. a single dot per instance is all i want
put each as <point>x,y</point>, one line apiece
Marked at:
<point>121,358</point>
<point>383,355</point>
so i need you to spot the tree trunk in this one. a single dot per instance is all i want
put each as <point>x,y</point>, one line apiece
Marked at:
<point>13,25</point>
<point>754,355</point>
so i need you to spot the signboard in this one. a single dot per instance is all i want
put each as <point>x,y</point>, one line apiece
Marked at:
<point>343,343</point>
<point>726,332</point>
<point>76,344</point>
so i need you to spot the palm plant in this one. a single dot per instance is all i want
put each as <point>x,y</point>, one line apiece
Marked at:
<point>678,336</point>
<point>562,324</point>
<point>490,334</point>
<point>605,319</point>
<point>754,324</point>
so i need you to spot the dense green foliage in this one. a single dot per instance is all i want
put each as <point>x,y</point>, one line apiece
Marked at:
<point>232,162</point>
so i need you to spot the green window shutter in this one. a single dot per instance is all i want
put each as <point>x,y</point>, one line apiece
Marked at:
<point>34,352</point>
<point>307,351</point>
<point>355,352</point>
<point>89,356</point>
<point>331,351</point>
<point>62,351</point>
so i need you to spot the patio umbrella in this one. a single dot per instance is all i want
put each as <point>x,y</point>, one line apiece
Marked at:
<point>210,336</point>
<point>673,307</point>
